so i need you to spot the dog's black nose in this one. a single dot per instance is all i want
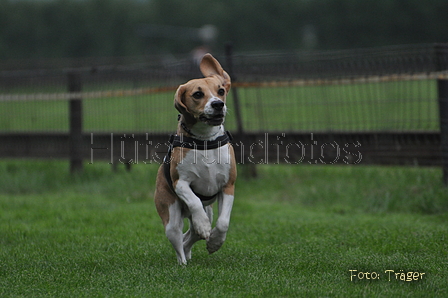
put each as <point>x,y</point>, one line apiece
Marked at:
<point>217,105</point>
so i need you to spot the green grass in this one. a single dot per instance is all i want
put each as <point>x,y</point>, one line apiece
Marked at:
<point>296,231</point>
<point>404,105</point>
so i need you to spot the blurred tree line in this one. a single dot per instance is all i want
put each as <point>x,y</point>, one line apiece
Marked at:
<point>86,28</point>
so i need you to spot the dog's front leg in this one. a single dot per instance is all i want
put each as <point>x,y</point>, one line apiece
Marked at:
<point>201,222</point>
<point>219,232</point>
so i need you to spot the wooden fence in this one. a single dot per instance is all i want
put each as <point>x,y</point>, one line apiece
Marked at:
<point>389,146</point>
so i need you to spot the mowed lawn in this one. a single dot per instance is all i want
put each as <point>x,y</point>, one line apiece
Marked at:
<point>296,231</point>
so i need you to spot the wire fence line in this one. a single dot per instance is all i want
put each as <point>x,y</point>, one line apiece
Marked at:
<point>390,104</point>
<point>378,89</point>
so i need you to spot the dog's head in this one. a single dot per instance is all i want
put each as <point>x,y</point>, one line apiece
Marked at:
<point>205,99</point>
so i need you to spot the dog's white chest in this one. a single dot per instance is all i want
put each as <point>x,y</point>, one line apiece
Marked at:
<point>207,171</point>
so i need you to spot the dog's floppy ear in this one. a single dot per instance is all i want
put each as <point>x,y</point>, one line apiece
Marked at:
<point>179,99</point>
<point>210,66</point>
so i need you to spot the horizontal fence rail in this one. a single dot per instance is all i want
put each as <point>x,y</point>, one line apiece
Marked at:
<point>440,75</point>
<point>254,148</point>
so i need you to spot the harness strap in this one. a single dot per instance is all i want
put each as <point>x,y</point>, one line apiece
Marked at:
<point>191,143</point>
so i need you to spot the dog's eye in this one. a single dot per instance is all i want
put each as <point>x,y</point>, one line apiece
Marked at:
<point>198,94</point>
<point>221,92</point>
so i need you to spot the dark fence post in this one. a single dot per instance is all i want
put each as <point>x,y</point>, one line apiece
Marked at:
<point>441,51</point>
<point>236,100</point>
<point>75,111</point>
<point>249,169</point>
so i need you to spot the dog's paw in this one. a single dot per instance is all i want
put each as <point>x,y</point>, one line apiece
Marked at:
<point>182,261</point>
<point>202,227</point>
<point>215,241</point>
<point>188,254</point>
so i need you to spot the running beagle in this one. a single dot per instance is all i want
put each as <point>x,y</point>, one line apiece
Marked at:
<point>200,166</point>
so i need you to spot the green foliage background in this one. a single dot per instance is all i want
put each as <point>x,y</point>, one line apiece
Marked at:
<point>70,28</point>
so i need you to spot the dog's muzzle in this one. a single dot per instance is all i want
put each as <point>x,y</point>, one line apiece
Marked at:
<point>216,113</point>
<point>213,120</point>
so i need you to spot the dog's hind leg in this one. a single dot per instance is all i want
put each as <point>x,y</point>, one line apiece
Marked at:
<point>209,210</point>
<point>173,231</point>
<point>191,237</point>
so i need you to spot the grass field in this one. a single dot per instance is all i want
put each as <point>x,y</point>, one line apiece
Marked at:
<point>296,231</point>
<point>403,105</point>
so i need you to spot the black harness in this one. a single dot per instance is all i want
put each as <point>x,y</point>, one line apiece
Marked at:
<point>192,143</point>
